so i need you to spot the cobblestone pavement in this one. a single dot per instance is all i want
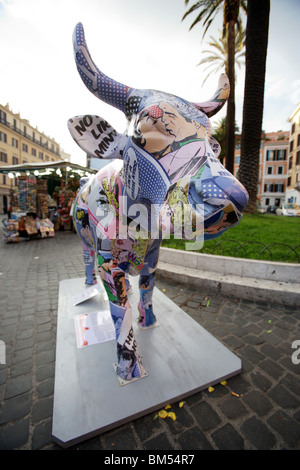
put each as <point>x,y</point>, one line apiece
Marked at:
<point>257,409</point>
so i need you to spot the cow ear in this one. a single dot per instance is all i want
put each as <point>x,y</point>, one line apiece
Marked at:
<point>96,136</point>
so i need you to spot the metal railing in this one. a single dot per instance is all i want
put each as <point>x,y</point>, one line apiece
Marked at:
<point>250,249</point>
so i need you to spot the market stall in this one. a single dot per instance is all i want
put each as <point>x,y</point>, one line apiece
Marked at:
<point>41,198</point>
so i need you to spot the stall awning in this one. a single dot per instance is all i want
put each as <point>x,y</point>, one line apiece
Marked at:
<point>31,167</point>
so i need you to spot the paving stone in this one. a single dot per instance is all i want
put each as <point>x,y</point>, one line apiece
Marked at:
<point>283,397</point>
<point>227,438</point>
<point>287,427</point>
<point>272,368</point>
<point>258,402</point>
<point>121,440</point>
<point>233,407</point>
<point>42,435</point>
<point>16,408</point>
<point>18,385</point>
<point>15,435</point>
<point>194,439</point>
<point>160,442</point>
<point>258,434</point>
<point>146,426</point>
<point>42,409</point>
<point>205,416</point>
<point>261,381</point>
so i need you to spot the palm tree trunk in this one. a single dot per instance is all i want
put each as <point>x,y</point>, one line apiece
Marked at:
<point>256,54</point>
<point>230,117</point>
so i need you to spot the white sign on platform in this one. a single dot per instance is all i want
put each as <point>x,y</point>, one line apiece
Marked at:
<point>93,328</point>
<point>87,294</point>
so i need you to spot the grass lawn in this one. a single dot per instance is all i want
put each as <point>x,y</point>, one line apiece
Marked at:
<point>250,237</point>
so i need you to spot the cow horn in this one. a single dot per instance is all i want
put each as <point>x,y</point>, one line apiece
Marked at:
<point>103,87</point>
<point>212,106</point>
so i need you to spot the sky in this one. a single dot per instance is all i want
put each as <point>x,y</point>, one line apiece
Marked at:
<point>141,43</point>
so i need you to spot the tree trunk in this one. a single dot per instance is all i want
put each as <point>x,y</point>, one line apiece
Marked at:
<point>256,54</point>
<point>230,117</point>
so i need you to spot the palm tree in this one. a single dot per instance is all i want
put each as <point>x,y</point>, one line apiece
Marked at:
<point>218,58</point>
<point>219,133</point>
<point>231,19</point>
<point>256,53</point>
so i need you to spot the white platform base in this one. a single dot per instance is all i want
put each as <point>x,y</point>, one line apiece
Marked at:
<point>179,356</point>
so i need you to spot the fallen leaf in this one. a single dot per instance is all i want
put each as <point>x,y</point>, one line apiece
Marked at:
<point>155,417</point>
<point>181,404</point>
<point>172,415</point>
<point>269,331</point>
<point>163,414</point>
<point>223,382</point>
<point>211,389</point>
<point>168,407</point>
<point>208,303</point>
<point>164,290</point>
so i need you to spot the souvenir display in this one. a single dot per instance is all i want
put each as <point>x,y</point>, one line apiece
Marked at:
<point>165,178</point>
<point>11,230</point>
<point>27,193</point>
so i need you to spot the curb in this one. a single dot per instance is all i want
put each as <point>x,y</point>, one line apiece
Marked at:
<point>249,279</point>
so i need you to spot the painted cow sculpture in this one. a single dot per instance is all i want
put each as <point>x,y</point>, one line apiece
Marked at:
<point>165,177</point>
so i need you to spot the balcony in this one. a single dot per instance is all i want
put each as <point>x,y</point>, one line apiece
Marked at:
<point>32,139</point>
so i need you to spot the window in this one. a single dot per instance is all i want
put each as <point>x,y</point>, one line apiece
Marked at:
<point>2,116</point>
<point>280,170</point>
<point>290,163</point>
<point>270,155</point>
<point>298,140</point>
<point>291,145</point>
<point>281,154</point>
<point>33,152</point>
<point>3,157</point>
<point>293,128</point>
<point>25,147</point>
<point>3,179</point>
<point>268,188</point>
<point>298,158</point>
<point>270,170</point>
<point>279,188</point>
<point>41,155</point>
<point>15,160</point>
<point>15,143</point>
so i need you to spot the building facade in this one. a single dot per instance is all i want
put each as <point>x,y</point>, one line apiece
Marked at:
<point>273,168</point>
<point>293,179</point>
<point>20,142</point>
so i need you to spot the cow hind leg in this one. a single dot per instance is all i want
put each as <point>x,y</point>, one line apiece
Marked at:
<point>89,262</point>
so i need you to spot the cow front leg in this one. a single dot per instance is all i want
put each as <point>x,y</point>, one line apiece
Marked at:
<point>129,364</point>
<point>147,317</point>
